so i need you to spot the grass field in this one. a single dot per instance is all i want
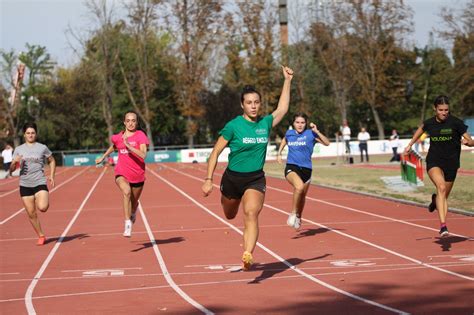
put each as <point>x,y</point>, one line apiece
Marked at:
<point>326,171</point>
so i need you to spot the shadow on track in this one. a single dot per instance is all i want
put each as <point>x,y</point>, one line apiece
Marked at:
<point>271,269</point>
<point>159,242</point>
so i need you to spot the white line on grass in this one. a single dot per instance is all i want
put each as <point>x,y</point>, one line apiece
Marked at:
<point>270,252</point>
<point>29,292</point>
<point>163,267</point>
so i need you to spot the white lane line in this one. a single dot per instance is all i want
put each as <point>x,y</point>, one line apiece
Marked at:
<point>52,190</point>
<point>270,252</point>
<point>29,292</point>
<point>163,267</point>
<point>368,213</point>
<point>16,189</point>
<point>364,269</point>
<point>356,210</point>
<point>104,269</point>
<point>416,261</point>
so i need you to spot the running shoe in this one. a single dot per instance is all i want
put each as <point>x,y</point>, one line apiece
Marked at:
<point>41,240</point>
<point>128,229</point>
<point>297,223</point>
<point>133,217</point>
<point>291,219</point>
<point>247,261</point>
<point>444,231</point>
<point>432,206</point>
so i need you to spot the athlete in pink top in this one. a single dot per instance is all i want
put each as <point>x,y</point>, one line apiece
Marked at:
<point>130,169</point>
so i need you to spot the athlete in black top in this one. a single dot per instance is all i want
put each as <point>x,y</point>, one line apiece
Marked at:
<point>446,135</point>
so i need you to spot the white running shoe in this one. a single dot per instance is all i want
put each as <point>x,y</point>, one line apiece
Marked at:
<point>128,229</point>
<point>291,219</point>
<point>297,223</point>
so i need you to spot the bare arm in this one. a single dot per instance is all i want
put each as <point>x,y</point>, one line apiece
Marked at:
<point>106,154</point>
<point>467,140</point>
<point>141,152</point>
<point>417,135</point>
<point>321,137</point>
<point>15,161</point>
<point>280,149</point>
<point>211,165</point>
<point>52,173</point>
<point>284,101</point>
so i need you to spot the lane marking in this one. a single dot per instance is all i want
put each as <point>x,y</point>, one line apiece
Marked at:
<point>17,188</point>
<point>387,267</point>
<point>52,190</point>
<point>416,261</point>
<point>82,270</point>
<point>163,267</point>
<point>349,208</point>
<point>29,292</point>
<point>281,259</point>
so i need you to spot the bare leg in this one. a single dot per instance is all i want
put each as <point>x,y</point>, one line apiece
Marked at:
<point>127,193</point>
<point>252,202</point>
<point>230,207</point>
<point>437,177</point>
<point>135,196</point>
<point>298,192</point>
<point>42,200</point>
<point>29,203</point>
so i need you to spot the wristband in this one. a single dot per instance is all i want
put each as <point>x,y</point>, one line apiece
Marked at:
<point>208,178</point>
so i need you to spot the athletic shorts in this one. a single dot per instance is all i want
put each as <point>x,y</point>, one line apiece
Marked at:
<point>303,172</point>
<point>140,184</point>
<point>234,184</point>
<point>449,174</point>
<point>31,191</point>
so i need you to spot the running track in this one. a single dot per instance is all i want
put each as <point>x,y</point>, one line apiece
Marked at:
<point>354,254</point>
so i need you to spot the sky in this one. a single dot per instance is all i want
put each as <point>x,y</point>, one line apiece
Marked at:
<point>44,22</point>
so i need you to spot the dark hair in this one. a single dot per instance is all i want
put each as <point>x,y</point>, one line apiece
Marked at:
<point>131,111</point>
<point>441,100</point>
<point>302,115</point>
<point>30,125</point>
<point>249,89</point>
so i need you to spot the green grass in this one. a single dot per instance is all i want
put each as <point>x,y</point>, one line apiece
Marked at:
<point>327,171</point>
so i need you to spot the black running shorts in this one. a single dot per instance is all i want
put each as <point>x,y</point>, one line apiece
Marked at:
<point>31,191</point>
<point>449,174</point>
<point>303,172</point>
<point>234,184</point>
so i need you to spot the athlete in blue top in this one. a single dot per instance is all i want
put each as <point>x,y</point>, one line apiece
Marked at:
<point>299,166</point>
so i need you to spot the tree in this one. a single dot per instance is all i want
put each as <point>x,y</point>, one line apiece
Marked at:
<point>374,29</point>
<point>459,29</point>
<point>146,49</point>
<point>195,26</point>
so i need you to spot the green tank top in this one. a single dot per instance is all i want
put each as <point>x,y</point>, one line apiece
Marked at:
<point>247,142</point>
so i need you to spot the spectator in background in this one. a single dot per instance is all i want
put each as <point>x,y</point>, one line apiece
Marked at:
<point>394,143</point>
<point>363,138</point>
<point>346,135</point>
<point>7,155</point>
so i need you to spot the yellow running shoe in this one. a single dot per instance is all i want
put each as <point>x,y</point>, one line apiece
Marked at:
<point>247,261</point>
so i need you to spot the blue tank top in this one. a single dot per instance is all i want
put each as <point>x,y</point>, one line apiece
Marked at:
<point>300,147</point>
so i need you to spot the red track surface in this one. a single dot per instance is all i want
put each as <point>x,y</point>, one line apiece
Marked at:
<point>353,255</point>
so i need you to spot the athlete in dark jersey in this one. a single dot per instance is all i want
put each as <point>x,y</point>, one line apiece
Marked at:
<point>446,133</point>
<point>299,166</point>
<point>244,180</point>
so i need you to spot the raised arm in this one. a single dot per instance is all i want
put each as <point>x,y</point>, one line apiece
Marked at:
<point>211,165</point>
<point>321,137</point>
<point>280,149</point>
<point>417,135</point>
<point>284,101</point>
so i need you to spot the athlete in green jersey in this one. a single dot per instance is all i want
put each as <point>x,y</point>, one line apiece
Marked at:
<point>247,137</point>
